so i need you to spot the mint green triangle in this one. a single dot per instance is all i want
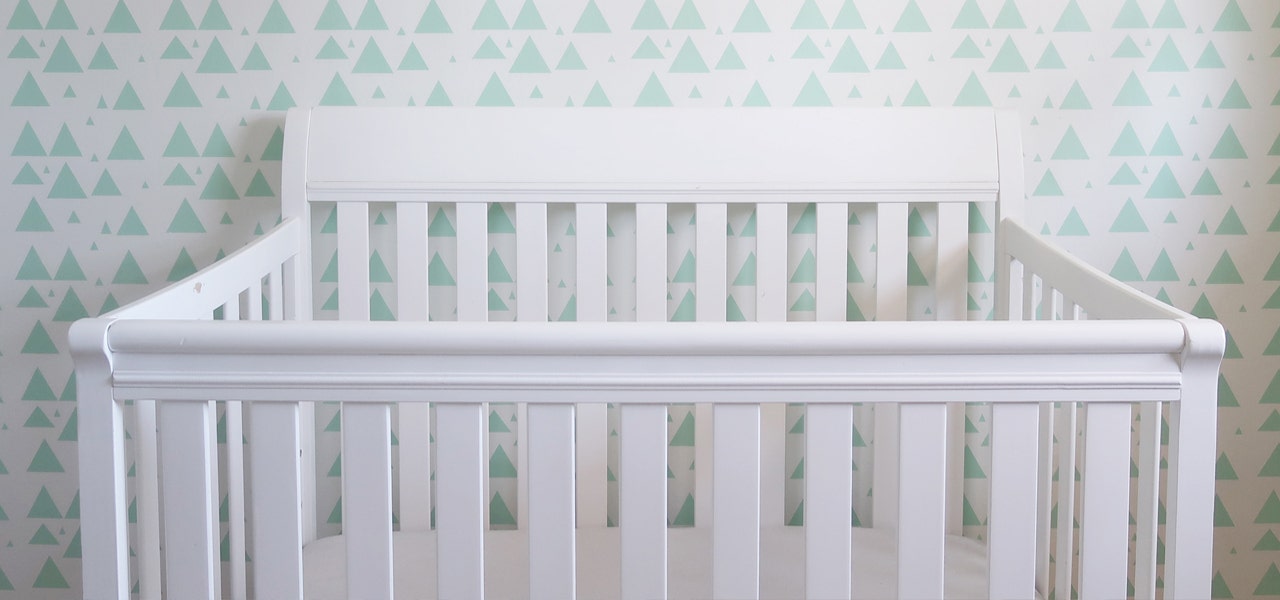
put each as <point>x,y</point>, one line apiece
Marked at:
<point>371,18</point>
<point>1073,224</point>
<point>1009,17</point>
<point>650,17</point>
<point>848,59</point>
<point>129,271</point>
<point>38,388</point>
<point>28,143</point>
<point>969,49</point>
<point>687,309</point>
<point>751,20</point>
<point>1225,271</point>
<point>38,420</point>
<point>972,93</point>
<point>331,50</point>
<point>24,17</point>
<point>33,219</point>
<point>121,20</point>
<point>1169,17</point>
<point>1128,144</point>
<point>972,469</point>
<point>494,94</point>
<point>1208,186</point>
<point>1210,59</point>
<point>179,176</point>
<point>216,60</point>
<point>1070,147</point>
<point>1168,59</point>
<point>911,20</point>
<point>1163,269</point>
<point>688,17</point>
<point>175,50</point>
<point>1048,186</point>
<point>438,273</point>
<point>684,435</point>
<point>125,147</point>
<point>1129,220</point>
<point>1132,93</point>
<point>217,146</point>
<point>337,93</point>
<point>684,517</point>
<point>433,20</point>
<point>182,95</point>
<point>29,93</point>
<point>65,186</point>
<point>498,272</point>
<point>813,94</point>
<point>371,60</point>
<point>69,268</point>
<point>490,17</point>
<point>215,19</point>
<point>647,49</point>
<point>653,93</point>
<point>27,176</point>
<point>970,17</point>
<point>50,577</point>
<point>332,18</point>
<point>64,144</point>
<point>1008,59</point>
<point>689,60</point>
<point>890,59</point>
<point>809,17</point>
<point>1166,144</point>
<point>441,226</point>
<point>256,61</point>
<point>183,267</point>
<point>915,96</point>
<point>45,461</point>
<point>1128,49</point>
<point>276,21</point>
<point>596,97</point>
<point>219,186</point>
<point>128,99</point>
<point>185,220</point>
<point>1075,99</point>
<point>1072,19</point>
<point>529,60</point>
<point>258,187</point>
<point>132,225</point>
<point>529,18</point>
<point>281,100</point>
<point>571,60</point>
<point>808,221</point>
<point>1165,185</point>
<point>1130,17</point>
<point>1125,269</point>
<point>1228,146</point>
<point>915,275</point>
<point>916,227</point>
<point>500,465</point>
<point>62,60</point>
<point>1269,585</point>
<point>1232,19</point>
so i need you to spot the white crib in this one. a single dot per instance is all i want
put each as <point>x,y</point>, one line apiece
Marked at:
<point>1067,343</point>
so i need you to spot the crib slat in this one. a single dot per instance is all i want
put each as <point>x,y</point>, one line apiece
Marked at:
<point>411,263</point>
<point>771,297</point>
<point>651,262</point>
<point>592,419</point>
<point>712,294</point>
<point>921,514</point>
<point>187,466</point>
<point>275,294</point>
<point>552,543</point>
<point>276,476</point>
<point>736,529</point>
<point>1104,517</point>
<point>1144,575</point>
<point>366,499</point>
<point>1044,495</point>
<point>473,261</point>
<point>642,500</point>
<point>832,256</point>
<point>891,305</point>
<point>148,498</point>
<point>952,283</point>
<point>1065,553</point>
<point>1011,546</point>
<point>531,305</point>
<point>353,261</point>
<point>828,507</point>
<point>460,500</point>
<point>234,420</point>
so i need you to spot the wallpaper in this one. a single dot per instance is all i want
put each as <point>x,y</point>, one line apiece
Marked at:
<point>142,140</point>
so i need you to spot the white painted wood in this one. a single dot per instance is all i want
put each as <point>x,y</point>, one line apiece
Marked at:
<point>147,487</point>
<point>1104,514</point>
<point>771,149</point>
<point>1148,461</point>
<point>233,417</point>
<point>415,466</point>
<point>1044,496</point>
<point>412,258</point>
<point>954,470</point>
<point>188,486</point>
<point>275,470</point>
<point>460,500</point>
<point>473,262</point>
<point>735,541</point>
<point>550,520</point>
<point>531,262</point>
<point>832,256</point>
<point>353,261</point>
<point>828,510</point>
<point>651,262</point>
<point>1011,541</point>
<point>921,494</point>
<point>891,305</point>
<point>711,305</point>
<point>366,499</point>
<point>1013,191</point>
<point>1064,555</point>
<point>592,419</point>
<point>1192,460</point>
<point>105,541</point>
<point>642,500</point>
<point>275,294</point>
<point>1030,292</point>
<point>771,306</point>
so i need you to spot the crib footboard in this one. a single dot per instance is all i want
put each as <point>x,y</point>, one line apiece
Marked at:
<point>1018,367</point>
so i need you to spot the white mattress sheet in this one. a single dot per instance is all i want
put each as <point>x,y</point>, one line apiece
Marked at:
<point>688,564</point>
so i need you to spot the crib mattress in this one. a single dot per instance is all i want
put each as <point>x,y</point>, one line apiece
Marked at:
<point>688,564</point>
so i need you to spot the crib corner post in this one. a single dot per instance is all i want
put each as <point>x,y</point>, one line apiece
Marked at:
<point>105,562</point>
<point>1192,459</point>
